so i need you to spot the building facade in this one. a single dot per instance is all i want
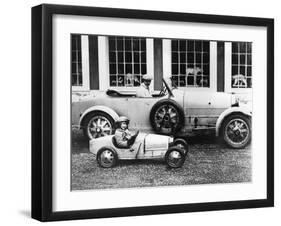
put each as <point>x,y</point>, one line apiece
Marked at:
<point>101,62</point>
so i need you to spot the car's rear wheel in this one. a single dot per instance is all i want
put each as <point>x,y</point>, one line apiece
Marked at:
<point>175,157</point>
<point>167,117</point>
<point>97,124</point>
<point>106,157</point>
<point>236,131</point>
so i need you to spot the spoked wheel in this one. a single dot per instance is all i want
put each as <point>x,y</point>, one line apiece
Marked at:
<point>236,131</point>
<point>97,124</point>
<point>166,117</point>
<point>175,157</point>
<point>181,143</point>
<point>106,157</point>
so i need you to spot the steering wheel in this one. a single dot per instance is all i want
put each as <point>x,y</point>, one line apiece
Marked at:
<point>163,91</point>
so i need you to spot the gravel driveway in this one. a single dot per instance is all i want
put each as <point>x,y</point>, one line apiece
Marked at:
<point>208,162</point>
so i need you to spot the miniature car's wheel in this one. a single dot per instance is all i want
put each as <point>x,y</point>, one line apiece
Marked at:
<point>236,131</point>
<point>97,124</point>
<point>106,157</point>
<point>175,157</point>
<point>181,143</point>
<point>167,117</point>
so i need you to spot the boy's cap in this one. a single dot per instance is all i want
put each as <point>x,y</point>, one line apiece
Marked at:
<point>122,119</point>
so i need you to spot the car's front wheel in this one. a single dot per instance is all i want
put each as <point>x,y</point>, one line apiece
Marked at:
<point>167,117</point>
<point>236,131</point>
<point>175,157</point>
<point>106,157</point>
<point>97,124</point>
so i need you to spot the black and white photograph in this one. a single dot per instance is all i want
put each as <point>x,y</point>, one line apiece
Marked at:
<point>149,111</point>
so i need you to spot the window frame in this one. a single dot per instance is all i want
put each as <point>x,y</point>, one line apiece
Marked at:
<point>84,65</point>
<point>104,62</point>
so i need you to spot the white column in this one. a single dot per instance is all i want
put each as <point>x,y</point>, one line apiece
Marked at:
<point>150,59</point>
<point>213,66</point>
<point>85,62</point>
<point>103,62</point>
<point>167,58</point>
<point>227,67</point>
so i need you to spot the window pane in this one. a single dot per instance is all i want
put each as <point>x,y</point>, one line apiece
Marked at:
<point>234,70</point>
<point>234,59</point>
<point>175,70</point>
<point>143,69</point>
<point>112,57</point>
<point>198,46</point>
<point>190,80</point>
<point>206,46</point>
<point>120,44</point>
<point>113,80</point>
<point>206,58</point>
<point>249,82</point>
<point>143,57</point>
<point>190,57</point>
<point>249,47</point>
<point>136,46</point>
<point>128,69</point>
<point>190,46</point>
<point>112,69</point>
<point>183,57</point>
<point>120,57</point>
<point>128,44</point>
<point>206,70</point>
<point>175,45</point>
<point>242,59</point>
<point>182,69</point>
<point>175,57</point>
<point>128,57</point>
<point>120,68</point>
<point>249,71</point>
<point>136,57</point>
<point>234,47</point>
<point>182,80</point>
<point>198,58</point>
<point>249,59</point>
<point>242,48</point>
<point>136,69</point>
<point>143,44</point>
<point>112,46</point>
<point>183,46</point>
<point>242,70</point>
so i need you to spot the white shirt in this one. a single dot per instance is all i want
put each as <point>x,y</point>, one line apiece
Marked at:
<point>143,91</point>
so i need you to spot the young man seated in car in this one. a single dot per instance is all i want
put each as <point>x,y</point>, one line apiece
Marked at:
<point>144,89</point>
<point>123,136</point>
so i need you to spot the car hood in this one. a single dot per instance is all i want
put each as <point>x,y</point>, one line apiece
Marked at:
<point>199,99</point>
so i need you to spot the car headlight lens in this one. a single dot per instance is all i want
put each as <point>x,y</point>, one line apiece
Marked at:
<point>171,140</point>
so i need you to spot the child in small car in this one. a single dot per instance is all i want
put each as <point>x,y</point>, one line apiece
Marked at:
<point>123,136</point>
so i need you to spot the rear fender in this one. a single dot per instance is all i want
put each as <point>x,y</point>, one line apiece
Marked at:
<point>241,110</point>
<point>101,108</point>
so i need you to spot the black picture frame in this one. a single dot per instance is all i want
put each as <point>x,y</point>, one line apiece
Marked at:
<point>42,108</point>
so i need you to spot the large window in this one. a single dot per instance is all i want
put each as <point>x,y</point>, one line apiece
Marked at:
<point>241,65</point>
<point>127,61</point>
<point>76,61</point>
<point>191,63</point>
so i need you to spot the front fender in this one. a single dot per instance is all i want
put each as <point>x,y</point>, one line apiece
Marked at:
<point>241,109</point>
<point>101,108</point>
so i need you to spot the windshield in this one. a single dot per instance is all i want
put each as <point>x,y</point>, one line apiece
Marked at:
<point>168,85</point>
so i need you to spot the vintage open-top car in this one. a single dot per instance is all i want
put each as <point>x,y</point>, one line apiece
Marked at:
<point>171,111</point>
<point>146,146</point>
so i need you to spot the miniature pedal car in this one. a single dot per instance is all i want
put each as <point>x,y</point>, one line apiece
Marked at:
<point>146,146</point>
